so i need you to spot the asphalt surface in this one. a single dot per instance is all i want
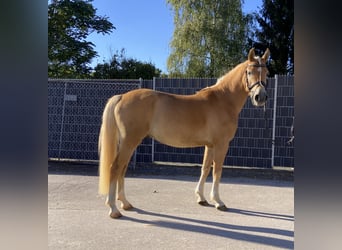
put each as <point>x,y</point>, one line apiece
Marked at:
<point>166,216</point>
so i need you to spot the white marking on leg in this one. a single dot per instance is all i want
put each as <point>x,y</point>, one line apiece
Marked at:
<point>215,197</point>
<point>121,194</point>
<point>200,188</point>
<point>113,211</point>
<point>217,172</point>
<point>207,161</point>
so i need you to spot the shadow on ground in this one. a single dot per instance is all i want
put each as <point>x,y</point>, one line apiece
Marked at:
<point>236,232</point>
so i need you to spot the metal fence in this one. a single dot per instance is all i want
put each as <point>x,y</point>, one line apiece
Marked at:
<point>283,126</point>
<point>75,108</point>
<point>74,115</point>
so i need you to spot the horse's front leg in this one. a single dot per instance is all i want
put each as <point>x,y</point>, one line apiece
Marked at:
<point>220,154</point>
<point>207,162</point>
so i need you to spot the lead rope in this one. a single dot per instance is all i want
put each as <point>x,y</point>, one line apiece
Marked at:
<point>292,133</point>
<point>290,141</point>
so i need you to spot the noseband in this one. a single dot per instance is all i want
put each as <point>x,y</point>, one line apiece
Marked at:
<point>261,83</point>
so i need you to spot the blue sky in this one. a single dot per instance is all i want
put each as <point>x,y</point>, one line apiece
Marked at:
<point>143,28</point>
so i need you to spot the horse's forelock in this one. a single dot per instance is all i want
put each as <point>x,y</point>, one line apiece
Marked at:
<point>258,58</point>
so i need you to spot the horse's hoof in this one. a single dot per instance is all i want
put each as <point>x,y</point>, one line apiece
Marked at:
<point>203,203</point>
<point>127,207</point>
<point>115,215</point>
<point>222,208</point>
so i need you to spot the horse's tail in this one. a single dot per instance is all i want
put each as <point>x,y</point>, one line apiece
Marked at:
<point>108,143</point>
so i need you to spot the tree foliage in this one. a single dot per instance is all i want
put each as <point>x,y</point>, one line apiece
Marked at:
<point>121,67</point>
<point>276,22</point>
<point>209,37</point>
<point>69,24</point>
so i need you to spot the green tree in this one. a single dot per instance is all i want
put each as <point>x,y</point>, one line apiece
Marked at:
<point>69,24</point>
<point>276,31</point>
<point>209,37</point>
<point>121,67</point>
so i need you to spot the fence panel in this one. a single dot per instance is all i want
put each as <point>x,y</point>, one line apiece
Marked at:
<point>74,115</point>
<point>284,148</point>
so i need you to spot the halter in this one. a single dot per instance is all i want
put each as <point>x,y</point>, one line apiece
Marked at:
<point>261,83</point>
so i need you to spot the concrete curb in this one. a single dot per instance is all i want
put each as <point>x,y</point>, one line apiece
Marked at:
<point>91,169</point>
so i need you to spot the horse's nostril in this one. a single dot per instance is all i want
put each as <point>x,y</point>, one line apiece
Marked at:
<point>260,98</point>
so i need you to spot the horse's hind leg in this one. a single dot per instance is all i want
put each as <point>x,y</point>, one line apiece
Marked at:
<point>113,212</point>
<point>207,162</point>
<point>118,170</point>
<point>121,190</point>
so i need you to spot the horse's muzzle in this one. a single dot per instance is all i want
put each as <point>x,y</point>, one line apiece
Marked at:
<point>261,97</point>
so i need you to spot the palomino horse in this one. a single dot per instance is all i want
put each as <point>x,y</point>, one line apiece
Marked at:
<point>208,118</point>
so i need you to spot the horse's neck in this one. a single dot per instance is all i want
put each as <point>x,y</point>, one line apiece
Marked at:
<point>231,87</point>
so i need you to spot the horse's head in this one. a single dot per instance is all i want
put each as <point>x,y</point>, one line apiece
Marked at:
<point>256,73</point>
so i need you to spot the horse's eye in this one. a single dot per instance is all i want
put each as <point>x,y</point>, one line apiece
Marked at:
<point>249,73</point>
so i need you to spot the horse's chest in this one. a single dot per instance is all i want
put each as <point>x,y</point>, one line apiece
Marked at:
<point>223,125</point>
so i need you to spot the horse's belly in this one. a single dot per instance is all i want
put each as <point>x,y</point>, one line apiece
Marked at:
<point>180,137</point>
<point>179,143</point>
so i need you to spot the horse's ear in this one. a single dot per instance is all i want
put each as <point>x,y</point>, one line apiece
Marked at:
<point>251,55</point>
<point>266,54</point>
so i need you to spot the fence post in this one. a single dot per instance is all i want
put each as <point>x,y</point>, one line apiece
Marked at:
<point>154,88</point>
<point>140,82</point>
<point>62,123</point>
<point>274,117</point>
